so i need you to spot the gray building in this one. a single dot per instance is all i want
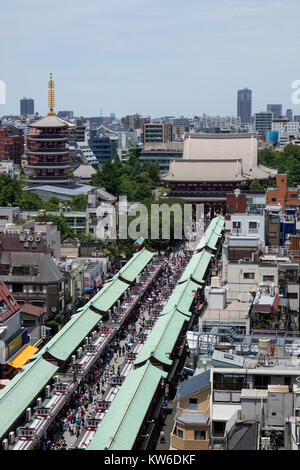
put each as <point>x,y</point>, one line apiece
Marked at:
<point>26,106</point>
<point>162,153</point>
<point>262,122</point>
<point>103,147</point>
<point>244,105</point>
<point>276,109</point>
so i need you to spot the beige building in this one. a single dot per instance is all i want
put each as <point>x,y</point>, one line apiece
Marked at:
<point>192,419</point>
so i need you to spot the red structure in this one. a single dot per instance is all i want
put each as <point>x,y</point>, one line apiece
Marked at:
<point>8,304</point>
<point>11,146</point>
<point>283,195</point>
<point>47,154</point>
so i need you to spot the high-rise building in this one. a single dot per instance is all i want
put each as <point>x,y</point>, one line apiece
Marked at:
<point>26,106</point>
<point>263,122</point>
<point>244,105</point>
<point>276,109</point>
<point>289,114</point>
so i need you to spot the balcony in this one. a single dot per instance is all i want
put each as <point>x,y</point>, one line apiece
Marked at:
<point>187,416</point>
<point>189,444</point>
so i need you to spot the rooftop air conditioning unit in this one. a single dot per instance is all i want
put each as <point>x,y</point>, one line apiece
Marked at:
<point>11,437</point>
<point>39,402</point>
<point>47,391</point>
<point>73,359</point>
<point>94,254</point>
<point>86,340</point>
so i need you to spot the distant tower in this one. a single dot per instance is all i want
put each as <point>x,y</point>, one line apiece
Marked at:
<point>26,106</point>
<point>244,105</point>
<point>289,114</point>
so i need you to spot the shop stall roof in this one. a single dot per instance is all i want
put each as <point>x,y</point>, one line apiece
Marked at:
<point>123,420</point>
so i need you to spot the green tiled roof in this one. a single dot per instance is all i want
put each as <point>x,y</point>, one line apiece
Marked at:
<point>122,422</point>
<point>162,338</point>
<point>72,334</point>
<point>115,287</point>
<point>212,233</point>
<point>135,265</point>
<point>182,297</point>
<point>197,266</point>
<point>18,394</point>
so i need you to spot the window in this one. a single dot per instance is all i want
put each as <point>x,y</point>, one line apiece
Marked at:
<point>248,275</point>
<point>236,225</point>
<point>273,199</point>
<point>292,295</point>
<point>193,404</point>
<point>253,225</point>
<point>180,433</point>
<point>199,435</point>
<point>268,278</point>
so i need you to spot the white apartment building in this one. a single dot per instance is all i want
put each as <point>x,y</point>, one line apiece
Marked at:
<point>246,225</point>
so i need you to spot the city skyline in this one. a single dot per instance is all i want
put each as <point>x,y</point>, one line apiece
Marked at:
<point>117,57</point>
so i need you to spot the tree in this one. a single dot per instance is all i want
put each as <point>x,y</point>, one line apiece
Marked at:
<point>10,190</point>
<point>51,204</point>
<point>255,186</point>
<point>79,202</point>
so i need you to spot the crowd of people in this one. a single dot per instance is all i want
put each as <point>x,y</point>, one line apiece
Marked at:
<point>71,420</point>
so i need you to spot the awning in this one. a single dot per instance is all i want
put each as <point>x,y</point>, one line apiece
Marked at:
<point>22,356</point>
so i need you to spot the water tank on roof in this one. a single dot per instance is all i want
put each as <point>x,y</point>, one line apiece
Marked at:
<point>264,345</point>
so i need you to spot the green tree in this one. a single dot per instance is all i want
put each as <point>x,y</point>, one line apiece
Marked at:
<point>79,202</point>
<point>51,204</point>
<point>29,200</point>
<point>255,186</point>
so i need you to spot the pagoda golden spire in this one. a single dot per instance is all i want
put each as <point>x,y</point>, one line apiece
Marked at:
<point>51,101</point>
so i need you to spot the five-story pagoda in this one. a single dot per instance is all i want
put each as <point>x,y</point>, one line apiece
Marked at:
<point>48,159</point>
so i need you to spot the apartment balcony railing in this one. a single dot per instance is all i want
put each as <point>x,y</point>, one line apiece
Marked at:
<point>188,444</point>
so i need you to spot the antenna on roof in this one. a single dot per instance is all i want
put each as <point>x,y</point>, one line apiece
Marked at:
<point>51,101</point>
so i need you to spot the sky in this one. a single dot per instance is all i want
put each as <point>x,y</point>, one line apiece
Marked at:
<point>154,57</point>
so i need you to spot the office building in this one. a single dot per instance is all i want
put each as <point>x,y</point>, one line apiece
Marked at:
<point>11,146</point>
<point>263,122</point>
<point>244,105</point>
<point>276,109</point>
<point>26,106</point>
<point>289,114</point>
<point>157,132</point>
<point>103,147</point>
<point>162,153</point>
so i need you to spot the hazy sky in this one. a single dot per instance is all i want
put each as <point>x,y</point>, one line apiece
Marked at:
<point>155,57</point>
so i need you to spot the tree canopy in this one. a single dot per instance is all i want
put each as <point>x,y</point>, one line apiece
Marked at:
<point>135,179</point>
<point>286,161</point>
